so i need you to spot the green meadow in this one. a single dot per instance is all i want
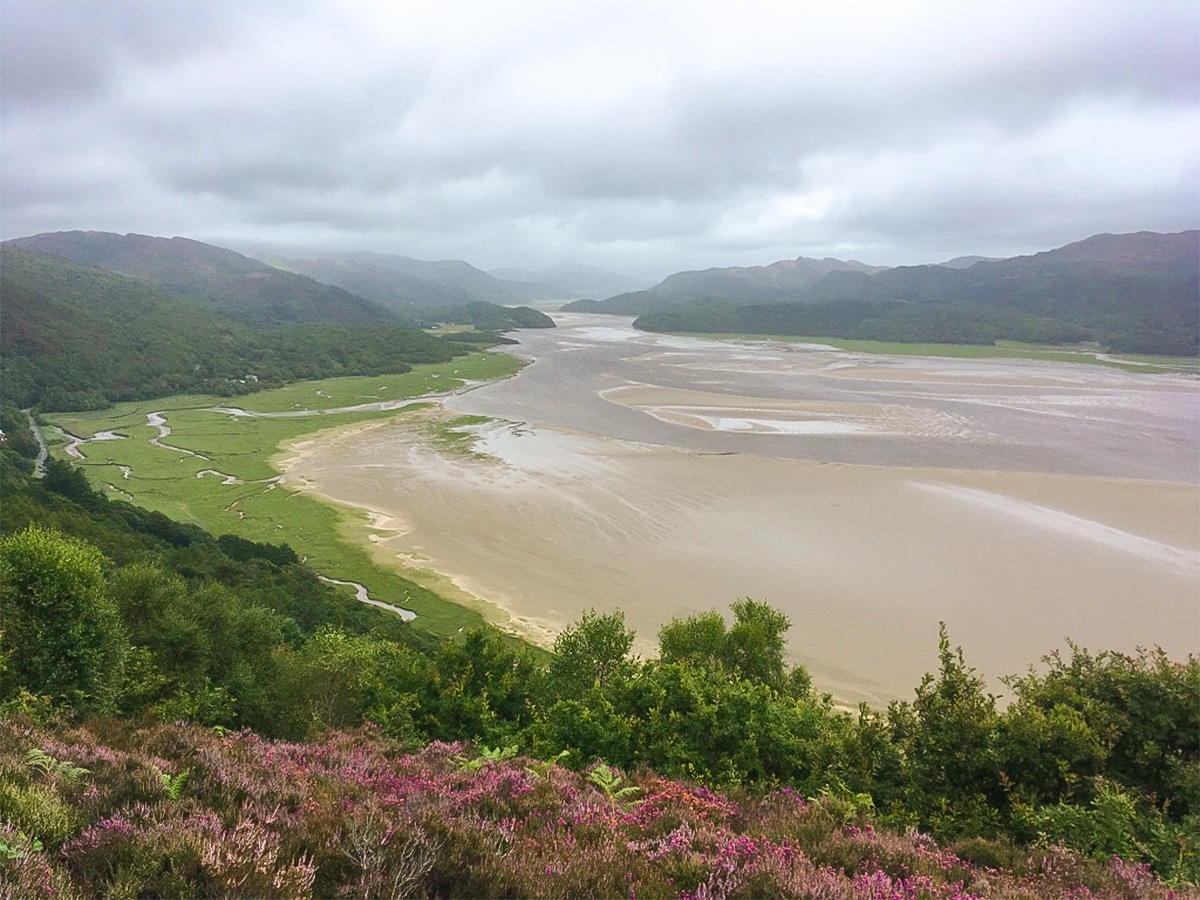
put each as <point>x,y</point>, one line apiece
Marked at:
<point>225,481</point>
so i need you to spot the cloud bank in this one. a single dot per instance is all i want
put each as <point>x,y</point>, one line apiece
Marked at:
<point>643,137</point>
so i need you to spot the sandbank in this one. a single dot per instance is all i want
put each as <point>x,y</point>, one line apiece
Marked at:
<point>866,560</point>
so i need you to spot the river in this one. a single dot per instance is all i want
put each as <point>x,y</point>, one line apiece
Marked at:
<point>868,497</point>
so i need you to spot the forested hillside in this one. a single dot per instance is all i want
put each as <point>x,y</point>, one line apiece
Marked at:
<point>1137,293</point>
<point>110,610</point>
<point>213,278</point>
<point>59,349</point>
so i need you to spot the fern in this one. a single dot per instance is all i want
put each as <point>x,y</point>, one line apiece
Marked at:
<point>41,761</point>
<point>174,784</point>
<point>486,757</point>
<point>609,782</point>
<point>542,769</point>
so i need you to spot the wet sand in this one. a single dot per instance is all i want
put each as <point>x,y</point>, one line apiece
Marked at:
<point>672,476</point>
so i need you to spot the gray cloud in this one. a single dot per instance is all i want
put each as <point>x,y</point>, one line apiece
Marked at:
<point>645,137</point>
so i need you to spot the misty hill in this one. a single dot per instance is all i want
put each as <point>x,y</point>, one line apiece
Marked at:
<point>456,274</point>
<point>965,262</point>
<point>419,299</point>
<point>779,282</point>
<point>217,279</point>
<point>1133,293</point>
<point>76,336</point>
<point>572,280</point>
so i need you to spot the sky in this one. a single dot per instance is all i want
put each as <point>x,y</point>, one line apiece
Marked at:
<point>643,137</point>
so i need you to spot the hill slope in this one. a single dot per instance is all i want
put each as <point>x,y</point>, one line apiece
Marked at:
<point>781,281</point>
<point>459,275</point>
<point>423,300</point>
<point>1134,293</point>
<point>79,337</point>
<point>214,278</point>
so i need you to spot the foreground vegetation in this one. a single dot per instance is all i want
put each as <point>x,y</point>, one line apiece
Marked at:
<point>112,610</point>
<point>120,810</point>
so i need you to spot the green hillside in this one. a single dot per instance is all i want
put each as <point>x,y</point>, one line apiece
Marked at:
<point>216,279</point>
<point>78,337</point>
<point>1135,293</point>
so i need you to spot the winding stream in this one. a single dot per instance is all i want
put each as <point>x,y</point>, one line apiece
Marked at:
<point>360,594</point>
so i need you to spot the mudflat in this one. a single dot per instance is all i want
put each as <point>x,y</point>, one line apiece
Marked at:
<point>867,497</point>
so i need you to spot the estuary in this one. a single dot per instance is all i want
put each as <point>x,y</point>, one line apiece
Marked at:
<point>1023,503</point>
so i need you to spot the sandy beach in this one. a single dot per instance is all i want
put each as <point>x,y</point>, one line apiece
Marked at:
<point>662,495</point>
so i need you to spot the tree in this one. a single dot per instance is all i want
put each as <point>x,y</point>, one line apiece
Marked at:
<point>947,738</point>
<point>592,653</point>
<point>698,640</point>
<point>62,637</point>
<point>754,645</point>
<point>751,649</point>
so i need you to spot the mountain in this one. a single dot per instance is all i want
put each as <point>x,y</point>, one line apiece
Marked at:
<point>454,273</point>
<point>782,281</point>
<point>76,336</point>
<point>214,278</point>
<point>572,280</point>
<point>421,300</point>
<point>965,262</point>
<point>1136,293</point>
<point>380,284</point>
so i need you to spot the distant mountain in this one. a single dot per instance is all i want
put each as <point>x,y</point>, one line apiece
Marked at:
<point>76,336</point>
<point>454,273</point>
<point>779,282</point>
<point>1134,293</point>
<point>965,262</point>
<point>219,280</point>
<point>421,300</point>
<point>381,284</point>
<point>574,281</point>
<point>1140,251</point>
<point>784,278</point>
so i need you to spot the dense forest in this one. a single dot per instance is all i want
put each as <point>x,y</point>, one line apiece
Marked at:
<point>58,350</point>
<point>115,618</point>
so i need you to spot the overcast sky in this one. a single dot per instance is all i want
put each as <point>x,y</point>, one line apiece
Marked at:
<point>645,137</point>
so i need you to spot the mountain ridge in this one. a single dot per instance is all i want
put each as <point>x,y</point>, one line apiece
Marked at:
<point>214,278</point>
<point>1137,293</point>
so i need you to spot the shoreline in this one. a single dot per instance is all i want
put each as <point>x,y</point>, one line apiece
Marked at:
<point>450,586</point>
<point>437,538</point>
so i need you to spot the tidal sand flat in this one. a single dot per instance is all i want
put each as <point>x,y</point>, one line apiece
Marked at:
<point>869,498</point>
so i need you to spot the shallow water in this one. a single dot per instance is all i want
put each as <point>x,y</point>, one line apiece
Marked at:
<point>867,497</point>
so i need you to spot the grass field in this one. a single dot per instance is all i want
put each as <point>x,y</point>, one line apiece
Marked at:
<point>214,469</point>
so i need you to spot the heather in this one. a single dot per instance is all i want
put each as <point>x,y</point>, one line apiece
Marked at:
<point>121,809</point>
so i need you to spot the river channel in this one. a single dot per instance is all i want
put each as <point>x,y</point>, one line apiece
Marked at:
<point>868,497</point>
